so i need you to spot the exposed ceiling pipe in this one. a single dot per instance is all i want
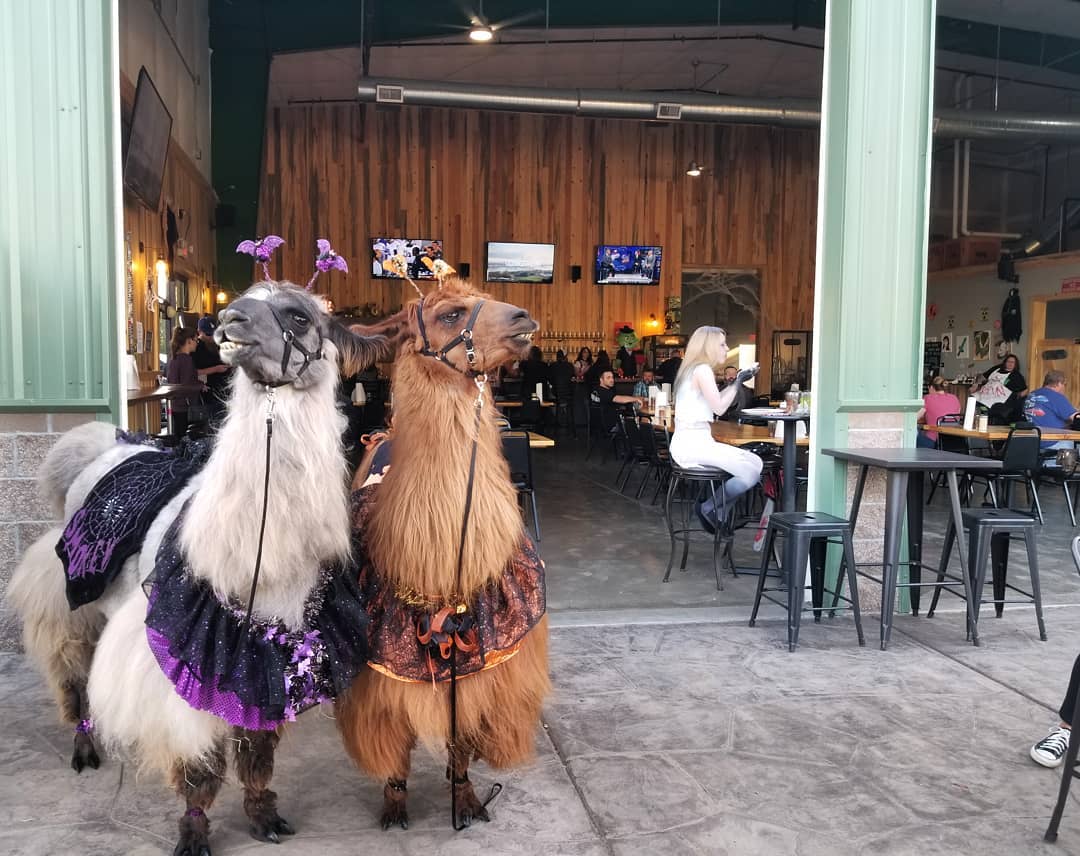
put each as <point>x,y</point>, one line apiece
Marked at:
<point>694,107</point>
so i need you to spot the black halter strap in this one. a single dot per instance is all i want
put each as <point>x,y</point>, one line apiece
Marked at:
<point>464,336</point>
<point>288,334</point>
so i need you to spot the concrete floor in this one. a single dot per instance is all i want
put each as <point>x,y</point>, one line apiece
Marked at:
<point>674,728</point>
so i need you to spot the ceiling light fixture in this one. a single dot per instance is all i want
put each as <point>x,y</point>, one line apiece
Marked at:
<point>693,170</point>
<point>480,33</point>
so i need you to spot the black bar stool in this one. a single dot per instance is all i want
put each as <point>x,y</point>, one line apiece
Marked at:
<point>993,527</point>
<point>694,481</point>
<point>807,532</point>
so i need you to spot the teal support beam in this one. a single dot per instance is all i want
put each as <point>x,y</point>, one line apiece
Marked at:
<point>60,207</point>
<point>872,230</point>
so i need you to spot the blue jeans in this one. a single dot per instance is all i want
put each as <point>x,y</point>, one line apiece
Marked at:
<point>924,442</point>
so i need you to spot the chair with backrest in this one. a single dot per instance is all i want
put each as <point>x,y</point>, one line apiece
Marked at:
<point>959,446</point>
<point>655,441</point>
<point>518,454</point>
<point>635,455</point>
<point>527,417</point>
<point>563,391</point>
<point>1021,462</point>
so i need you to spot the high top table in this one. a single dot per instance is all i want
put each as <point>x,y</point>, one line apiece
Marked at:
<point>905,476</point>
<point>790,420</point>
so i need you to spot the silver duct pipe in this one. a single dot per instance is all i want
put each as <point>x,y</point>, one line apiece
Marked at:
<point>617,104</point>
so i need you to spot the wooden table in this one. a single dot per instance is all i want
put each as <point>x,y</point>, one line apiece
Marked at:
<point>734,434</point>
<point>1001,432</point>
<point>506,403</point>
<point>165,392</point>
<point>905,470</point>
<point>539,441</point>
<point>790,420</point>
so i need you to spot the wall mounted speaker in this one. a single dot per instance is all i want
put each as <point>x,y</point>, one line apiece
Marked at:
<point>575,273</point>
<point>224,216</point>
<point>463,269</point>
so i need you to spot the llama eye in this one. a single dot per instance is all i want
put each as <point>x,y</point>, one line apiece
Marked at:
<point>301,320</point>
<point>450,317</point>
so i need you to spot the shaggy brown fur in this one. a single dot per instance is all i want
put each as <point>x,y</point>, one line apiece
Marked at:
<point>199,786</point>
<point>413,535</point>
<point>254,761</point>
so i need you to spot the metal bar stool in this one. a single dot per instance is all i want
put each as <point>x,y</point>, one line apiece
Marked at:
<point>699,479</point>
<point>993,527</point>
<point>806,533</point>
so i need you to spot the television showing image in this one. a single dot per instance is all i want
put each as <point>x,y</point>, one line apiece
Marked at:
<point>627,264</point>
<point>394,258</point>
<point>510,262</point>
<point>147,145</point>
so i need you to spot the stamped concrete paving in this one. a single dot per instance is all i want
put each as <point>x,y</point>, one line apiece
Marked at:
<point>672,739</point>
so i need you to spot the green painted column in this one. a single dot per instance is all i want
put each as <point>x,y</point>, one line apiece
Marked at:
<point>60,207</point>
<point>871,246</point>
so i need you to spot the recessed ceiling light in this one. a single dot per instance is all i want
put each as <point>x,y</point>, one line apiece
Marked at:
<point>481,34</point>
<point>693,170</point>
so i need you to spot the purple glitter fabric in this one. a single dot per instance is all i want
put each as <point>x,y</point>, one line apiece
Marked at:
<point>259,676</point>
<point>113,521</point>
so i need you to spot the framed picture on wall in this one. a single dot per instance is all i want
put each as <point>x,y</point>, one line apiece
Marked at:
<point>980,347</point>
<point>963,351</point>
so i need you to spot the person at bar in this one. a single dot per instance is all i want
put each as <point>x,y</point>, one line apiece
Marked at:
<point>937,402</point>
<point>696,400</point>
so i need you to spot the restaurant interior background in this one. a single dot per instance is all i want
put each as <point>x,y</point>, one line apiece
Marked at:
<point>295,152</point>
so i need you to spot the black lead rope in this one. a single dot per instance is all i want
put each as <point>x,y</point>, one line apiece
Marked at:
<point>454,781</point>
<point>262,530</point>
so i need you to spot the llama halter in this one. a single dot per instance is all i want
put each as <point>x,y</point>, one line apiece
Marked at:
<point>465,336</point>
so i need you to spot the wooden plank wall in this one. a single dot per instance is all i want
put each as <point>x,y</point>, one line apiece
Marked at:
<point>349,172</point>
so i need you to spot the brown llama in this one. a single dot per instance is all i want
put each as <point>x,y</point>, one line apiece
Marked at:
<point>410,521</point>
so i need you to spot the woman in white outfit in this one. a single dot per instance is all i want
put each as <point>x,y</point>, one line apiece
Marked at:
<point>696,400</point>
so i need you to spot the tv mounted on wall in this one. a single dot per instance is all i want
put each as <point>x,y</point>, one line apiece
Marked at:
<point>627,264</point>
<point>147,143</point>
<point>415,255</point>
<point>512,262</point>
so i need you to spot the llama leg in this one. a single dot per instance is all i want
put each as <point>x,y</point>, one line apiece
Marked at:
<point>76,710</point>
<point>198,783</point>
<point>469,807</point>
<point>254,766</point>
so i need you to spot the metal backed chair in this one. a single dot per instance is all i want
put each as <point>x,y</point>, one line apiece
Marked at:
<point>1020,462</point>
<point>518,454</point>
<point>635,453</point>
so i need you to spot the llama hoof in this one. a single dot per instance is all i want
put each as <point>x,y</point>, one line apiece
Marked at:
<point>271,829</point>
<point>469,807</point>
<point>395,815</point>
<point>84,754</point>
<point>193,842</point>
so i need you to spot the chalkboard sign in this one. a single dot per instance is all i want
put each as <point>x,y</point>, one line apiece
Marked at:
<point>147,143</point>
<point>931,363</point>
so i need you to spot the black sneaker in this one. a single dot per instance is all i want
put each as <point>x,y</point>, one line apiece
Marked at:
<point>1050,751</point>
<point>706,522</point>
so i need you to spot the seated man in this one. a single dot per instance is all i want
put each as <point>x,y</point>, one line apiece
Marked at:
<point>730,373</point>
<point>641,388</point>
<point>605,396</point>
<point>1048,408</point>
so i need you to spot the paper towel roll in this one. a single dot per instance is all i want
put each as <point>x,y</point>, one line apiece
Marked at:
<point>540,392</point>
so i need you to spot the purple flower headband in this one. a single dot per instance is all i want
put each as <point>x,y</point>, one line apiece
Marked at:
<point>327,259</point>
<point>261,250</point>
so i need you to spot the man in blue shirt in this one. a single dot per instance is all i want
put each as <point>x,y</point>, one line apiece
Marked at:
<point>1048,407</point>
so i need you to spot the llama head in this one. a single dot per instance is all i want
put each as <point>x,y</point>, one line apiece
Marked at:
<point>278,334</point>
<point>501,332</point>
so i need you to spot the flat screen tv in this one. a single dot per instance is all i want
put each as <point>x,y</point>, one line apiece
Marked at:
<point>147,143</point>
<point>416,256</point>
<point>513,262</point>
<point>627,264</point>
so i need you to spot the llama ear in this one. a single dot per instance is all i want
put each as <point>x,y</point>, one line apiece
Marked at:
<point>357,349</point>
<point>392,330</point>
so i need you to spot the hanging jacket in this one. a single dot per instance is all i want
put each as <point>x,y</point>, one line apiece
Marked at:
<point>1011,326</point>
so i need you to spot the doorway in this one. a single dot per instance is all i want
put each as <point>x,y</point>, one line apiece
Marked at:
<point>1055,321</point>
<point>724,297</point>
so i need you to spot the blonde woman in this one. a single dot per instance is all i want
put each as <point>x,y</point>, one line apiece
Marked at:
<point>696,400</point>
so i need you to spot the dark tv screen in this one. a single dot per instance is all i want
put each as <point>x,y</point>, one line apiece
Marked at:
<point>147,143</point>
<point>627,264</point>
<point>416,256</point>
<point>513,262</point>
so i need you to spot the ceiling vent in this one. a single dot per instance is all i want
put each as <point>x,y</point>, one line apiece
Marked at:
<point>389,94</point>
<point>667,110</point>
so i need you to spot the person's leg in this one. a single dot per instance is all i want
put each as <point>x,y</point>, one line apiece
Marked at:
<point>1050,751</point>
<point>745,470</point>
<point>924,442</point>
